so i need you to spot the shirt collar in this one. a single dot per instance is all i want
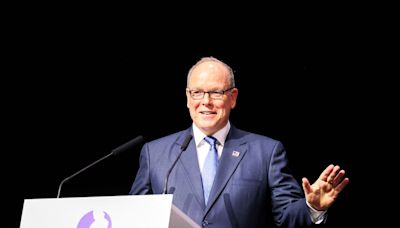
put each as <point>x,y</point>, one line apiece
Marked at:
<point>219,135</point>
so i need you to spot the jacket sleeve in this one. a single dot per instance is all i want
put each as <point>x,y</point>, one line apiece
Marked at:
<point>288,203</point>
<point>142,183</point>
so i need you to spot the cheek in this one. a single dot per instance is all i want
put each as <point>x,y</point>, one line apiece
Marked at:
<point>223,106</point>
<point>192,104</point>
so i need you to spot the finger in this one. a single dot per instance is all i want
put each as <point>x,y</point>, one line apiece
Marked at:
<point>338,178</point>
<point>342,184</point>
<point>306,185</point>
<point>333,174</point>
<point>325,174</point>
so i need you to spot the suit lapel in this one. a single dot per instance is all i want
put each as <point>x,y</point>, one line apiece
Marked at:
<point>234,150</point>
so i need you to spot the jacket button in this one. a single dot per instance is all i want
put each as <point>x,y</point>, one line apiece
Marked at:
<point>204,223</point>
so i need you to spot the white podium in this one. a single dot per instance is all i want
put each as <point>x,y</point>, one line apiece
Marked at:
<point>130,211</point>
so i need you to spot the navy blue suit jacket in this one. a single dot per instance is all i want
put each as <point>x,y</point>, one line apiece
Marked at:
<point>253,186</point>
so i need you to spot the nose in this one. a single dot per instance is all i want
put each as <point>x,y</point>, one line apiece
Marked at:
<point>206,98</point>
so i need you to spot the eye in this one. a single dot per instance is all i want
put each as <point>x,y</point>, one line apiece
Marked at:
<point>196,93</point>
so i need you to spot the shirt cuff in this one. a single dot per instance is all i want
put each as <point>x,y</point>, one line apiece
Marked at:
<point>317,217</point>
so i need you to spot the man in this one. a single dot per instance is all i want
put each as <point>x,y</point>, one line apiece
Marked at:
<point>251,185</point>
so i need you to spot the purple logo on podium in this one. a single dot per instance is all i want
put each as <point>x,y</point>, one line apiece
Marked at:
<point>95,219</point>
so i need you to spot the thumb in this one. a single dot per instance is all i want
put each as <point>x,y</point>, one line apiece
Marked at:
<point>306,185</point>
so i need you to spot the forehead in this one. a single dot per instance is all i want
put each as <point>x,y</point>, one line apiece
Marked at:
<point>210,74</point>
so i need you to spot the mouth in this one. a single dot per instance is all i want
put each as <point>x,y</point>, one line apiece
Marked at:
<point>208,113</point>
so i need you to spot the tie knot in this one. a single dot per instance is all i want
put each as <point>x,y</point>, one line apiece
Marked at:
<point>211,140</point>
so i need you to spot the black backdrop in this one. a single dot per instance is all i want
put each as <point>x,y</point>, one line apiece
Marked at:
<point>83,84</point>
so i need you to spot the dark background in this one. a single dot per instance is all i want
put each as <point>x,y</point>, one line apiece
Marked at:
<point>82,82</point>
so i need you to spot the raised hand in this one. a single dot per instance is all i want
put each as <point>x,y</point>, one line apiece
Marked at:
<point>325,190</point>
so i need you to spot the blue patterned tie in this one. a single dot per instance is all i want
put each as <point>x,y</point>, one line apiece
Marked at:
<point>210,167</point>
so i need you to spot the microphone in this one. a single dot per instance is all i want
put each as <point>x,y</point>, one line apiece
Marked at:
<point>124,147</point>
<point>185,144</point>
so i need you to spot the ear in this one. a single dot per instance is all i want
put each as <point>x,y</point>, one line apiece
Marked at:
<point>234,94</point>
<point>187,99</point>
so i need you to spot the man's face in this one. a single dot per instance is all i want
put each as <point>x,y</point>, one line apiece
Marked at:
<point>210,114</point>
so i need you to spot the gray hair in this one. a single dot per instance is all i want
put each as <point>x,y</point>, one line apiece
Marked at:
<point>213,59</point>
